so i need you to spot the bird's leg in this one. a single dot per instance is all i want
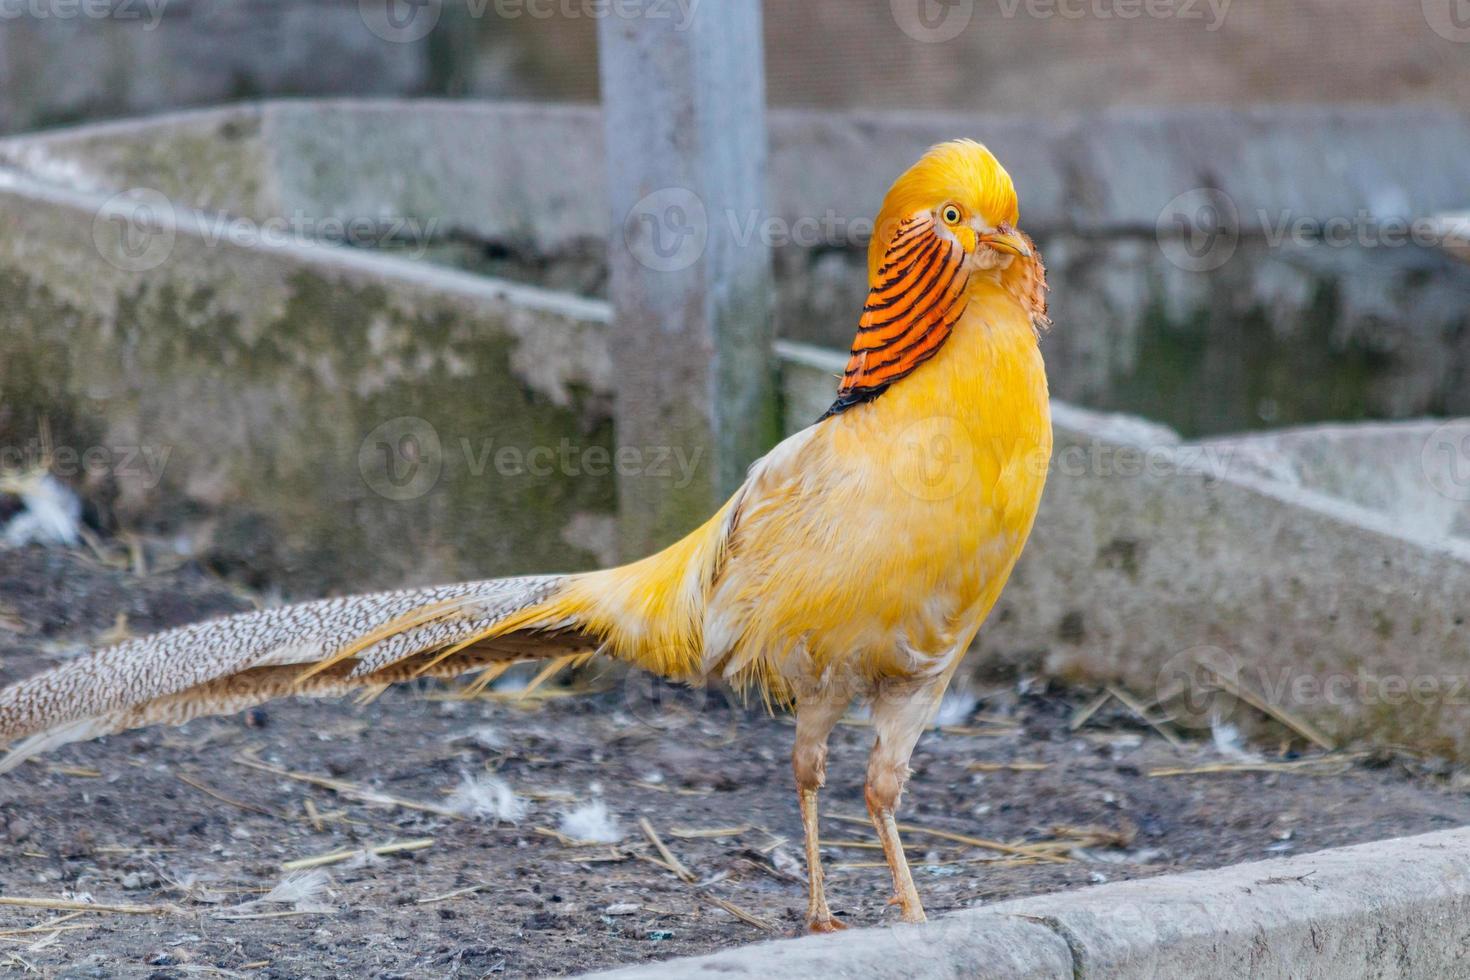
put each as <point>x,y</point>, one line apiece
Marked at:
<point>815,719</point>
<point>900,713</point>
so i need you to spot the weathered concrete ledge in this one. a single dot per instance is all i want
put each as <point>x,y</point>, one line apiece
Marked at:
<point>962,947</point>
<point>1090,174</point>
<point>1389,909</point>
<point>1211,343</point>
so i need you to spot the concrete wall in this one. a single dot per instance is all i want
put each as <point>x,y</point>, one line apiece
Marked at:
<point>1034,57</point>
<point>311,418</point>
<point>70,62</point>
<point>1213,340</point>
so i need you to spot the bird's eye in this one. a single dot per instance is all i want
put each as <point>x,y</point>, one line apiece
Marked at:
<point>950,214</point>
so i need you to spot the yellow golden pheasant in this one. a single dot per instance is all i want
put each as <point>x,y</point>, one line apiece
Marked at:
<point>856,562</point>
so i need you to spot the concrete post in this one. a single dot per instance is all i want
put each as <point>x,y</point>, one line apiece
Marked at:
<point>684,120</point>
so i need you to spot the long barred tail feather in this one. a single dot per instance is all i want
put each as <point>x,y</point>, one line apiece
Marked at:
<point>324,648</point>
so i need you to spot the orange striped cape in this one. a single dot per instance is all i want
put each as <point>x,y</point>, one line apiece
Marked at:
<point>911,310</point>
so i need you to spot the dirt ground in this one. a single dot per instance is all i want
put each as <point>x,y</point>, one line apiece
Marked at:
<point>193,825</point>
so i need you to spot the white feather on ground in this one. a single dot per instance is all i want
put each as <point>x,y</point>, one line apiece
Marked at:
<point>299,889</point>
<point>1230,743</point>
<point>591,822</point>
<point>52,516</point>
<point>487,798</point>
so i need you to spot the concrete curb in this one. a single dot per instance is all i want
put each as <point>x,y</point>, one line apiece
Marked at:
<point>1395,908</point>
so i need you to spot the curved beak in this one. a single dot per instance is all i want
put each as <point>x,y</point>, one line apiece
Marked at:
<point>1006,241</point>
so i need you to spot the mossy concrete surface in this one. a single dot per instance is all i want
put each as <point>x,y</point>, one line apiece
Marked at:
<point>314,417</point>
<point>215,160</point>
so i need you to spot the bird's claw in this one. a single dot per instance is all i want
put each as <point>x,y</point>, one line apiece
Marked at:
<point>825,925</point>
